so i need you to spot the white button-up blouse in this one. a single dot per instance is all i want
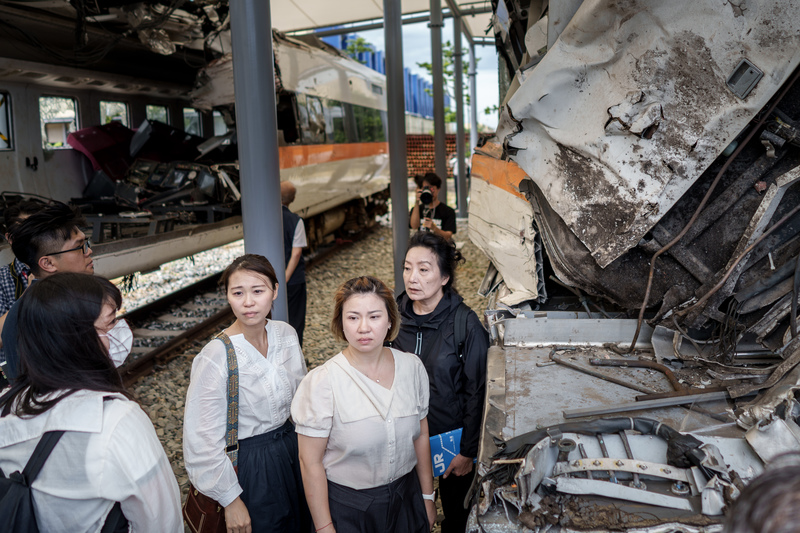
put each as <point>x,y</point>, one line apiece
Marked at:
<point>370,429</point>
<point>266,387</point>
<point>109,453</point>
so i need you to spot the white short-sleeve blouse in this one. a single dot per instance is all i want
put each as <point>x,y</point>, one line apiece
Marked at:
<point>109,453</point>
<point>266,387</point>
<point>370,429</point>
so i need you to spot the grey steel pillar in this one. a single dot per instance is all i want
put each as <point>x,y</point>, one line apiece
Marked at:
<point>396,111</point>
<point>458,93</point>
<point>257,132</point>
<point>439,140</point>
<point>473,100</point>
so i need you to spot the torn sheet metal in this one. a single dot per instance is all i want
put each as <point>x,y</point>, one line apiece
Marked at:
<point>631,104</point>
<point>508,240</point>
<point>773,438</point>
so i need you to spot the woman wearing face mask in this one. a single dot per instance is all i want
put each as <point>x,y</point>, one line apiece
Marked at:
<point>457,376</point>
<point>109,451</point>
<point>267,492</point>
<point>361,419</point>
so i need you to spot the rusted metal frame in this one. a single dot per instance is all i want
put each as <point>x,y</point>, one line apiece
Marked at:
<point>600,375</point>
<point>677,385</point>
<point>679,389</point>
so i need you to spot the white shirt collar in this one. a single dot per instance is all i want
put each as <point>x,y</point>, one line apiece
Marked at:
<point>80,411</point>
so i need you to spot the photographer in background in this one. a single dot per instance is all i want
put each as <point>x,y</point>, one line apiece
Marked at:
<point>434,216</point>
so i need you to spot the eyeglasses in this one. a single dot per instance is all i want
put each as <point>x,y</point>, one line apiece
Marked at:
<point>83,247</point>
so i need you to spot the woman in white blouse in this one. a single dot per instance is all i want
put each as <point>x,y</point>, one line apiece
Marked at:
<point>361,420</point>
<point>267,494</point>
<point>109,451</point>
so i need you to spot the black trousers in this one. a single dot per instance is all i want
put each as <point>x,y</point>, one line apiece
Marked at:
<point>452,491</point>
<point>296,301</point>
<point>269,474</point>
<point>394,508</point>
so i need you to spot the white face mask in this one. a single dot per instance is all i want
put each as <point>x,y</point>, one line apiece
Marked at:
<point>120,342</point>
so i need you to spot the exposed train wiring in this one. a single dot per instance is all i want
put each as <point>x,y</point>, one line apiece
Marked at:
<point>680,330</point>
<point>702,205</point>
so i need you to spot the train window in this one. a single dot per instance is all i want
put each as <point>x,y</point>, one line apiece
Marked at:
<point>113,112</point>
<point>220,128</point>
<point>157,112</point>
<point>314,133</point>
<point>5,122</point>
<point>369,124</point>
<point>287,117</point>
<point>58,117</point>
<point>335,126</point>
<point>192,121</point>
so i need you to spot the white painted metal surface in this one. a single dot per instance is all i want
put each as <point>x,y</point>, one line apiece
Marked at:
<point>303,69</point>
<point>630,106</point>
<point>507,240</point>
<point>146,253</point>
<point>341,182</point>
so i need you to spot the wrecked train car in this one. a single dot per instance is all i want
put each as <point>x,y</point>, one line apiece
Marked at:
<point>78,70</point>
<point>641,123</point>
<point>647,159</point>
<point>332,130</point>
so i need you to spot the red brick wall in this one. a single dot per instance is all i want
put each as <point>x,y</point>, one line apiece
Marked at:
<point>420,154</point>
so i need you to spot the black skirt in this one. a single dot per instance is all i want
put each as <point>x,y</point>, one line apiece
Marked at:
<point>394,508</point>
<point>269,474</point>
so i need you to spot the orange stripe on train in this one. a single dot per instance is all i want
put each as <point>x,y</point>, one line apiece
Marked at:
<point>505,175</point>
<point>315,154</point>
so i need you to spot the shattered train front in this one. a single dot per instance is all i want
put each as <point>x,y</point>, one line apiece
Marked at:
<point>645,266</point>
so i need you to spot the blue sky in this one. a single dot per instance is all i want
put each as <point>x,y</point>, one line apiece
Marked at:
<point>417,49</point>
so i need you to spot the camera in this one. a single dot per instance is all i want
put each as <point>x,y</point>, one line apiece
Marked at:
<point>426,196</point>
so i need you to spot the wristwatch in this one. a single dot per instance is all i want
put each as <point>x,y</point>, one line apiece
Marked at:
<point>430,497</point>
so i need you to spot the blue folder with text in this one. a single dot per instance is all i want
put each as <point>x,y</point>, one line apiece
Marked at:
<point>444,447</point>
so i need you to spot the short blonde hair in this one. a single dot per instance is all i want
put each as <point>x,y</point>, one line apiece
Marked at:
<point>364,285</point>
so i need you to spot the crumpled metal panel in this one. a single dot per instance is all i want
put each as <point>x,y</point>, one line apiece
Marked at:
<point>631,105</point>
<point>507,240</point>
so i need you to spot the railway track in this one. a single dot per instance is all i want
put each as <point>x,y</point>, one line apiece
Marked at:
<point>166,328</point>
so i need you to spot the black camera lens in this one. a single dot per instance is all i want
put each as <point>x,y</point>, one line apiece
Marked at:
<point>426,196</point>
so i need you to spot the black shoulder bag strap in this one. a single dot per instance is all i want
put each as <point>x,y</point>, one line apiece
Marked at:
<point>40,455</point>
<point>460,329</point>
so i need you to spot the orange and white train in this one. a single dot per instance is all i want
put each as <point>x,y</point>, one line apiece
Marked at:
<point>331,115</point>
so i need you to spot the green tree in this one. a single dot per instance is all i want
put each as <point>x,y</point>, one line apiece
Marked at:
<point>357,46</point>
<point>448,73</point>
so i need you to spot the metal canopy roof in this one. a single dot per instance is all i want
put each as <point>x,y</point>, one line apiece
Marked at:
<point>294,15</point>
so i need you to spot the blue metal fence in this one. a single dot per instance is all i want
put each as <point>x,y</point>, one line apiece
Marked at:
<point>419,91</point>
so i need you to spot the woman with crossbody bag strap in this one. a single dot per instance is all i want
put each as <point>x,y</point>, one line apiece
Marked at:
<point>109,456</point>
<point>266,493</point>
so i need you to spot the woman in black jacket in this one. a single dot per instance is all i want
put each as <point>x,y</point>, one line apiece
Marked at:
<point>457,376</point>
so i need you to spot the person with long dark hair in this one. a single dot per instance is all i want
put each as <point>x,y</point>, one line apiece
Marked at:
<point>361,419</point>
<point>457,373</point>
<point>68,381</point>
<point>267,492</point>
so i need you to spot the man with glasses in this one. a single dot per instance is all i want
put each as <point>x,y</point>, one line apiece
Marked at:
<point>49,242</point>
